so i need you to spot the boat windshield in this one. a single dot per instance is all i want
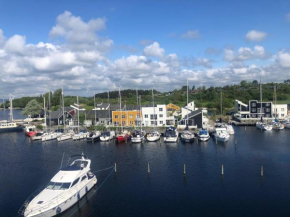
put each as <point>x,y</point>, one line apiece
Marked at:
<point>58,185</point>
<point>203,132</point>
<point>170,134</point>
<point>106,134</point>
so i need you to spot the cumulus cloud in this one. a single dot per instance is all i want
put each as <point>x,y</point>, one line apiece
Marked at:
<point>145,42</point>
<point>191,34</point>
<point>15,44</point>
<point>154,50</point>
<point>255,35</point>
<point>246,53</point>
<point>283,59</point>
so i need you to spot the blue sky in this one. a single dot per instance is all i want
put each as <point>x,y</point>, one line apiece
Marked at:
<point>198,33</point>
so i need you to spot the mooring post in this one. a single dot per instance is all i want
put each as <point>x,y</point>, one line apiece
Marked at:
<point>115,167</point>
<point>148,168</point>
<point>215,140</point>
<point>262,171</point>
<point>222,170</point>
<point>184,169</point>
<point>236,141</point>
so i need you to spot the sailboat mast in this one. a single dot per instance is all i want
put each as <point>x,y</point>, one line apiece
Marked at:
<point>137,106</point>
<point>95,108</point>
<point>63,117</point>
<point>120,109</point>
<point>109,108</point>
<point>11,109</point>
<point>44,114</point>
<point>221,103</point>
<point>3,107</point>
<point>78,114</point>
<point>187,101</point>
<point>140,114</point>
<point>153,110</point>
<point>49,110</point>
<point>261,97</point>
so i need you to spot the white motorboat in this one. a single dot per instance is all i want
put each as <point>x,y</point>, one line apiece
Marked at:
<point>153,136</point>
<point>94,136</point>
<point>263,126</point>
<point>221,134</point>
<point>65,189</point>
<point>107,136</point>
<point>66,136</point>
<point>170,135</point>
<point>50,136</point>
<point>287,124</point>
<point>37,136</point>
<point>230,129</point>
<point>187,136</point>
<point>80,135</point>
<point>203,135</point>
<point>137,136</point>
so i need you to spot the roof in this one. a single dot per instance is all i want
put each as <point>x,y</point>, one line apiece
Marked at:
<point>90,114</point>
<point>192,114</point>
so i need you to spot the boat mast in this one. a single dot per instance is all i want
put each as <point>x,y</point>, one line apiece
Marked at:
<point>221,104</point>
<point>261,96</point>
<point>187,101</point>
<point>95,108</point>
<point>120,109</point>
<point>140,114</point>
<point>11,108</point>
<point>49,110</point>
<point>137,106</point>
<point>44,114</point>
<point>3,107</point>
<point>153,110</point>
<point>63,117</point>
<point>109,108</point>
<point>78,115</point>
<point>275,101</point>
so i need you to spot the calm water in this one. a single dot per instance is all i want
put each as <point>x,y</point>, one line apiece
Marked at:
<point>166,192</point>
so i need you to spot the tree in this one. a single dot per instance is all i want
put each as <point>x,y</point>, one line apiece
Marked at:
<point>193,87</point>
<point>243,83</point>
<point>32,108</point>
<point>255,82</point>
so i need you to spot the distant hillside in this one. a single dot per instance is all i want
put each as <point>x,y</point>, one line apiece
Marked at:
<point>205,97</point>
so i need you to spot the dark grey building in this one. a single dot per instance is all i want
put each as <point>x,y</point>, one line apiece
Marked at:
<point>194,119</point>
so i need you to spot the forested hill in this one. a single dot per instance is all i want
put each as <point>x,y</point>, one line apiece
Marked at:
<point>207,97</point>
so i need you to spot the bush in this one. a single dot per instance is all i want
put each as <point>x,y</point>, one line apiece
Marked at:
<point>39,126</point>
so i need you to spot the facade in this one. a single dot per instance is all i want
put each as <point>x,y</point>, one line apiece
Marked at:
<point>280,111</point>
<point>126,118</point>
<point>159,120</point>
<point>187,109</point>
<point>195,120</point>
<point>56,117</point>
<point>98,117</point>
<point>257,110</point>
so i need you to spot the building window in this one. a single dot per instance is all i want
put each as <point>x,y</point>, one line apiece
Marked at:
<point>116,123</point>
<point>267,104</point>
<point>161,122</point>
<point>146,116</point>
<point>116,116</point>
<point>123,116</point>
<point>253,104</point>
<point>153,122</point>
<point>282,115</point>
<point>160,109</point>
<point>123,122</point>
<point>102,122</point>
<point>131,122</point>
<point>131,116</point>
<point>153,117</point>
<point>161,115</point>
<point>267,110</point>
<point>282,109</point>
<point>267,115</point>
<point>254,110</point>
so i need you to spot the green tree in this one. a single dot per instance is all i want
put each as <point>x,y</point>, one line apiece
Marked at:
<point>32,108</point>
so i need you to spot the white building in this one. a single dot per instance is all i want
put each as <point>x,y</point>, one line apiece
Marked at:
<point>160,116</point>
<point>280,111</point>
<point>190,107</point>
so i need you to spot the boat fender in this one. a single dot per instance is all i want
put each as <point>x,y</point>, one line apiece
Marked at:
<point>58,210</point>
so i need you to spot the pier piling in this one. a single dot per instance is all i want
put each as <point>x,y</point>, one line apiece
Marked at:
<point>148,168</point>
<point>115,167</point>
<point>184,169</point>
<point>222,170</point>
<point>262,171</point>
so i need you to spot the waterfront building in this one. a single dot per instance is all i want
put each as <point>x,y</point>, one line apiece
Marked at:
<point>196,119</point>
<point>56,117</point>
<point>171,108</point>
<point>130,116</point>
<point>280,111</point>
<point>188,109</point>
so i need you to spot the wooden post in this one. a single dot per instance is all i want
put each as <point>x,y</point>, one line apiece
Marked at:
<point>262,171</point>
<point>215,140</point>
<point>115,167</point>
<point>148,168</point>
<point>222,170</point>
<point>184,169</point>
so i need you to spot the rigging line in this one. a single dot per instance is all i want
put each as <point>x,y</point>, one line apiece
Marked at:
<point>92,194</point>
<point>102,169</point>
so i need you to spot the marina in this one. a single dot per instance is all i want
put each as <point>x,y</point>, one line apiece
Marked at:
<point>248,175</point>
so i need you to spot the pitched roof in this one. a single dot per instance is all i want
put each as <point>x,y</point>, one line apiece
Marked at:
<point>192,114</point>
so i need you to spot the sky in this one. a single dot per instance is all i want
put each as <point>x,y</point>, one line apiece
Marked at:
<point>92,46</point>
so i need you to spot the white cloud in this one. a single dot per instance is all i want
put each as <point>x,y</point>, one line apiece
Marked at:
<point>15,44</point>
<point>283,59</point>
<point>246,53</point>
<point>154,50</point>
<point>255,35</point>
<point>191,35</point>
<point>145,42</point>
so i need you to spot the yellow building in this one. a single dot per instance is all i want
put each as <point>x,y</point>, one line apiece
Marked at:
<point>171,107</point>
<point>128,118</point>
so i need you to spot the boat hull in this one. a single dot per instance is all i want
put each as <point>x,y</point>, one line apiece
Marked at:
<point>31,133</point>
<point>170,139</point>
<point>204,139</point>
<point>65,203</point>
<point>10,130</point>
<point>136,139</point>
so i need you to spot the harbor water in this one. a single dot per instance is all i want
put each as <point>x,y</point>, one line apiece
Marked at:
<point>166,191</point>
